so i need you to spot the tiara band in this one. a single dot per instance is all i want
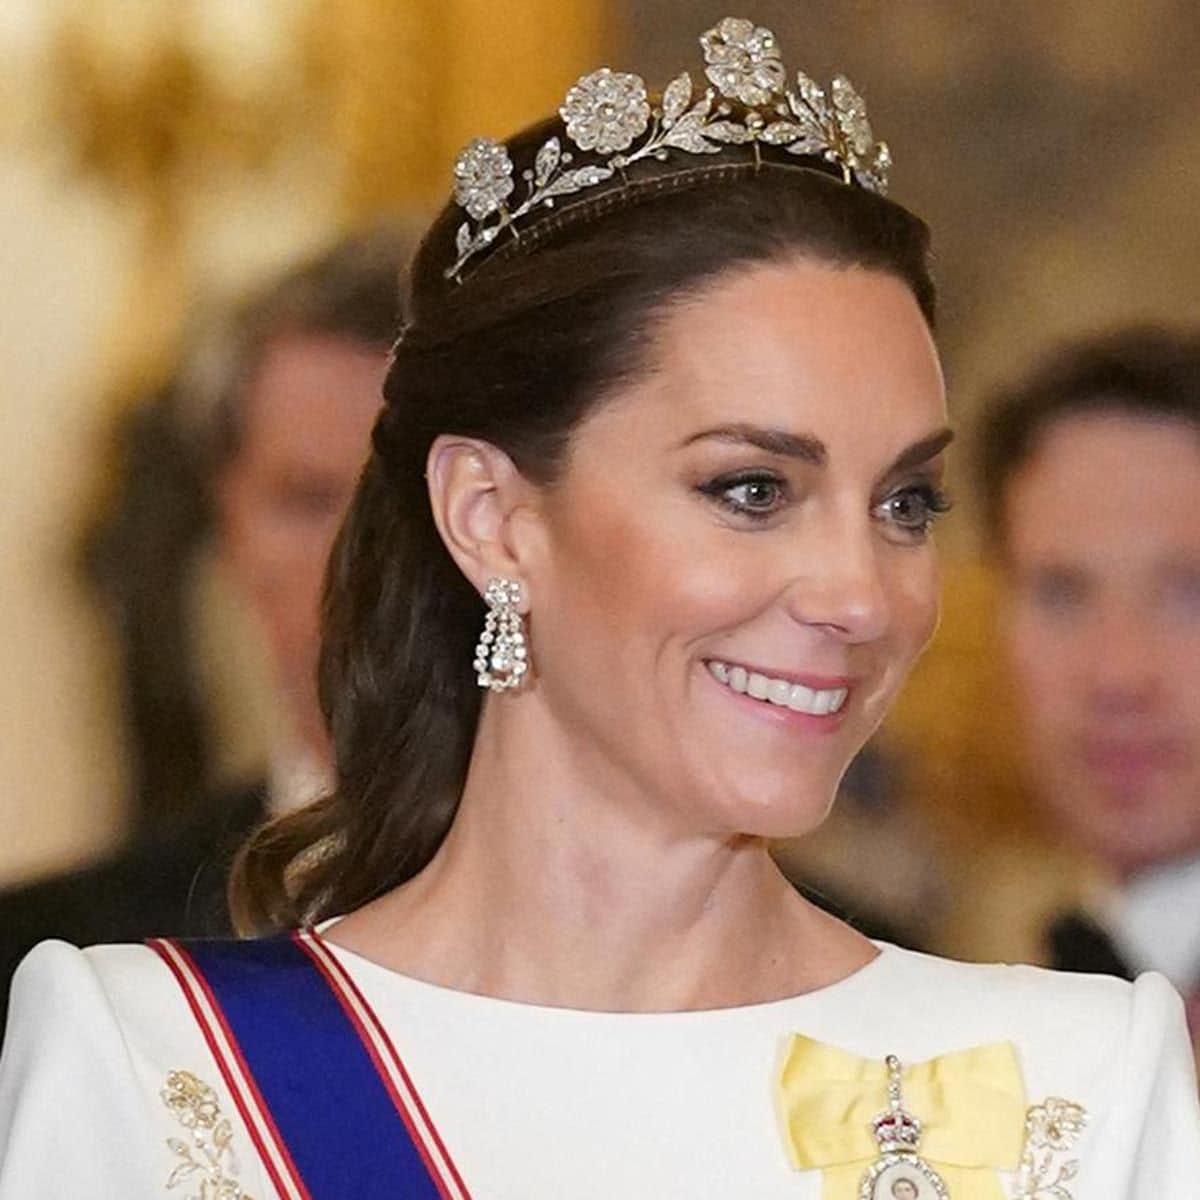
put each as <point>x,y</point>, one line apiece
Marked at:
<point>611,118</point>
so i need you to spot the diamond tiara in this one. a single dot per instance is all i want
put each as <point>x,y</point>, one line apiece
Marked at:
<point>611,118</point>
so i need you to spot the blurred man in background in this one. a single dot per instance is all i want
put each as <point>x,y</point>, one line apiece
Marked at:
<point>1090,474</point>
<point>274,417</point>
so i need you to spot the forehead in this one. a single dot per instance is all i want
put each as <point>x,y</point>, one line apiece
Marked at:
<point>797,345</point>
<point>312,393</point>
<point>1107,488</point>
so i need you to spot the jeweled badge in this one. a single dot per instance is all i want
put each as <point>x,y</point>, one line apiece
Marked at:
<point>900,1173</point>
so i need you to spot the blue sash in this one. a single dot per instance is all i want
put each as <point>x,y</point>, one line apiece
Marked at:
<point>302,1058</point>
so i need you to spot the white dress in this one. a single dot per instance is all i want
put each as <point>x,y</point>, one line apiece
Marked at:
<point>537,1103</point>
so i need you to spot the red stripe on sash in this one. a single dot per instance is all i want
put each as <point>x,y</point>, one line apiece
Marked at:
<point>234,1070</point>
<point>413,1112</point>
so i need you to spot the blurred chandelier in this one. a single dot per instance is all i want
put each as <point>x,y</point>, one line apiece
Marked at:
<point>146,95</point>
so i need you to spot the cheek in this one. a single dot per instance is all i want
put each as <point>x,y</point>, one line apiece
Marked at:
<point>915,603</point>
<point>1039,657</point>
<point>1035,651</point>
<point>1184,668</point>
<point>631,580</point>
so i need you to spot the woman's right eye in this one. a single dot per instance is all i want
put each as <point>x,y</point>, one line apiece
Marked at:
<point>756,495</point>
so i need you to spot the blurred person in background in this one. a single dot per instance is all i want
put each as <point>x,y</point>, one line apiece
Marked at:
<point>1090,476</point>
<point>258,448</point>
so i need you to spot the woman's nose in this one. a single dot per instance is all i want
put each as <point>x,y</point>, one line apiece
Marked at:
<point>839,582</point>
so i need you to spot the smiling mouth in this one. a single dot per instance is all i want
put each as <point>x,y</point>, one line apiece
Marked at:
<point>780,692</point>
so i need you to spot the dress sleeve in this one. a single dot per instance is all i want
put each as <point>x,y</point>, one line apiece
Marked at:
<point>1155,1114</point>
<point>73,1120</point>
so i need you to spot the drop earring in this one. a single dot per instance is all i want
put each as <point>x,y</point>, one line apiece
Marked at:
<point>501,657</point>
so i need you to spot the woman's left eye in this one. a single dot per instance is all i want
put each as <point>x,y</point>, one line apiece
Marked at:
<point>914,509</point>
<point>756,496</point>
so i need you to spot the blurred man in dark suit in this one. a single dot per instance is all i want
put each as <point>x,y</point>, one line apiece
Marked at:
<point>1090,473</point>
<point>276,416</point>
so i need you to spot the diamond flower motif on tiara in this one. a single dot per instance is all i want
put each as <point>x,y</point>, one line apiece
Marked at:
<point>483,177</point>
<point>606,110</point>
<point>743,61</point>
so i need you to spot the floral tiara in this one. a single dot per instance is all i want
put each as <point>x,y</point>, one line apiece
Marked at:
<point>605,113</point>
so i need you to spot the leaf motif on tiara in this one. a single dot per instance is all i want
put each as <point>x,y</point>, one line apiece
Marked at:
<point>573,181</point>
<point>808,113</point>
<point>687,134</point>
<point>676,98</point>
<point>811,146</point>
<point>852,116</point>
<point>728,132</point>
<point>782,133</point>
<point>546,161</point>
<point>813,98</point>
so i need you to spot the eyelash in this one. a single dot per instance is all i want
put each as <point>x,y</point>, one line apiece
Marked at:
<point>937,503</point>
<point>719,490</point>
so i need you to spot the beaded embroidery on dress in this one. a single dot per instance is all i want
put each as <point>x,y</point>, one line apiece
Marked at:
<point>1051,1130</point>
<point>206,1157</point>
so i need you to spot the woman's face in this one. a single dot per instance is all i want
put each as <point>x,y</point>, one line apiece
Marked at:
<point>734,574</point>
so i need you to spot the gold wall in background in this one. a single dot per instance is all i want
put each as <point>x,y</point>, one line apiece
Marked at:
<point>411,81</point>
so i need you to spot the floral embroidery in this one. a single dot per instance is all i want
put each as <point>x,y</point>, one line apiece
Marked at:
<point>1051,1128</point>
<point>208,1157</point>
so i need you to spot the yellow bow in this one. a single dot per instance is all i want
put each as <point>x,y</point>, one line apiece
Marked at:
<point>971,1105</point>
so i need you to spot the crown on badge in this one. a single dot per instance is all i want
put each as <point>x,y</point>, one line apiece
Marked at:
<point>895,1129</point>
<point>896,1132</point>
<point>611,118</point>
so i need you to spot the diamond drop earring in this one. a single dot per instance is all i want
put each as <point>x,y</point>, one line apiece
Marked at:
<point>501,658</point>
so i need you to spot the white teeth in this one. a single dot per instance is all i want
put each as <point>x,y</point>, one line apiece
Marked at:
<point>779,692</point>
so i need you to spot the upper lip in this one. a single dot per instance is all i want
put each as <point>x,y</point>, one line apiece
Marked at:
<point>818,683</point>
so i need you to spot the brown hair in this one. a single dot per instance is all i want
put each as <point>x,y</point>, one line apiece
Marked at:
<point>516,355</point>
<point>1148,372</point>
<point>350,291</point>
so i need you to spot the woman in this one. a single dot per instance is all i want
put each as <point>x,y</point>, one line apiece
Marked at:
<point>668,400</point>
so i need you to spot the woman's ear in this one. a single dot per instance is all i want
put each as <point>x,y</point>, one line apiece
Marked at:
<point>475,491</point>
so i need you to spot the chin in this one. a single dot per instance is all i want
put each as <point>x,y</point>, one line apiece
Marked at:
<point>778,813</point>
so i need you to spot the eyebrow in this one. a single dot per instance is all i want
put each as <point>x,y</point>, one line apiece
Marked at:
<point>775,441</point>
<point>921,452</point>
<point>810,449</point>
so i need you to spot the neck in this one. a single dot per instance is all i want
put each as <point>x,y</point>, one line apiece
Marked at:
<point>566,886</point>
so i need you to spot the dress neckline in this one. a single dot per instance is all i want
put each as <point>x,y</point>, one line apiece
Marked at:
<point>423,990</point>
